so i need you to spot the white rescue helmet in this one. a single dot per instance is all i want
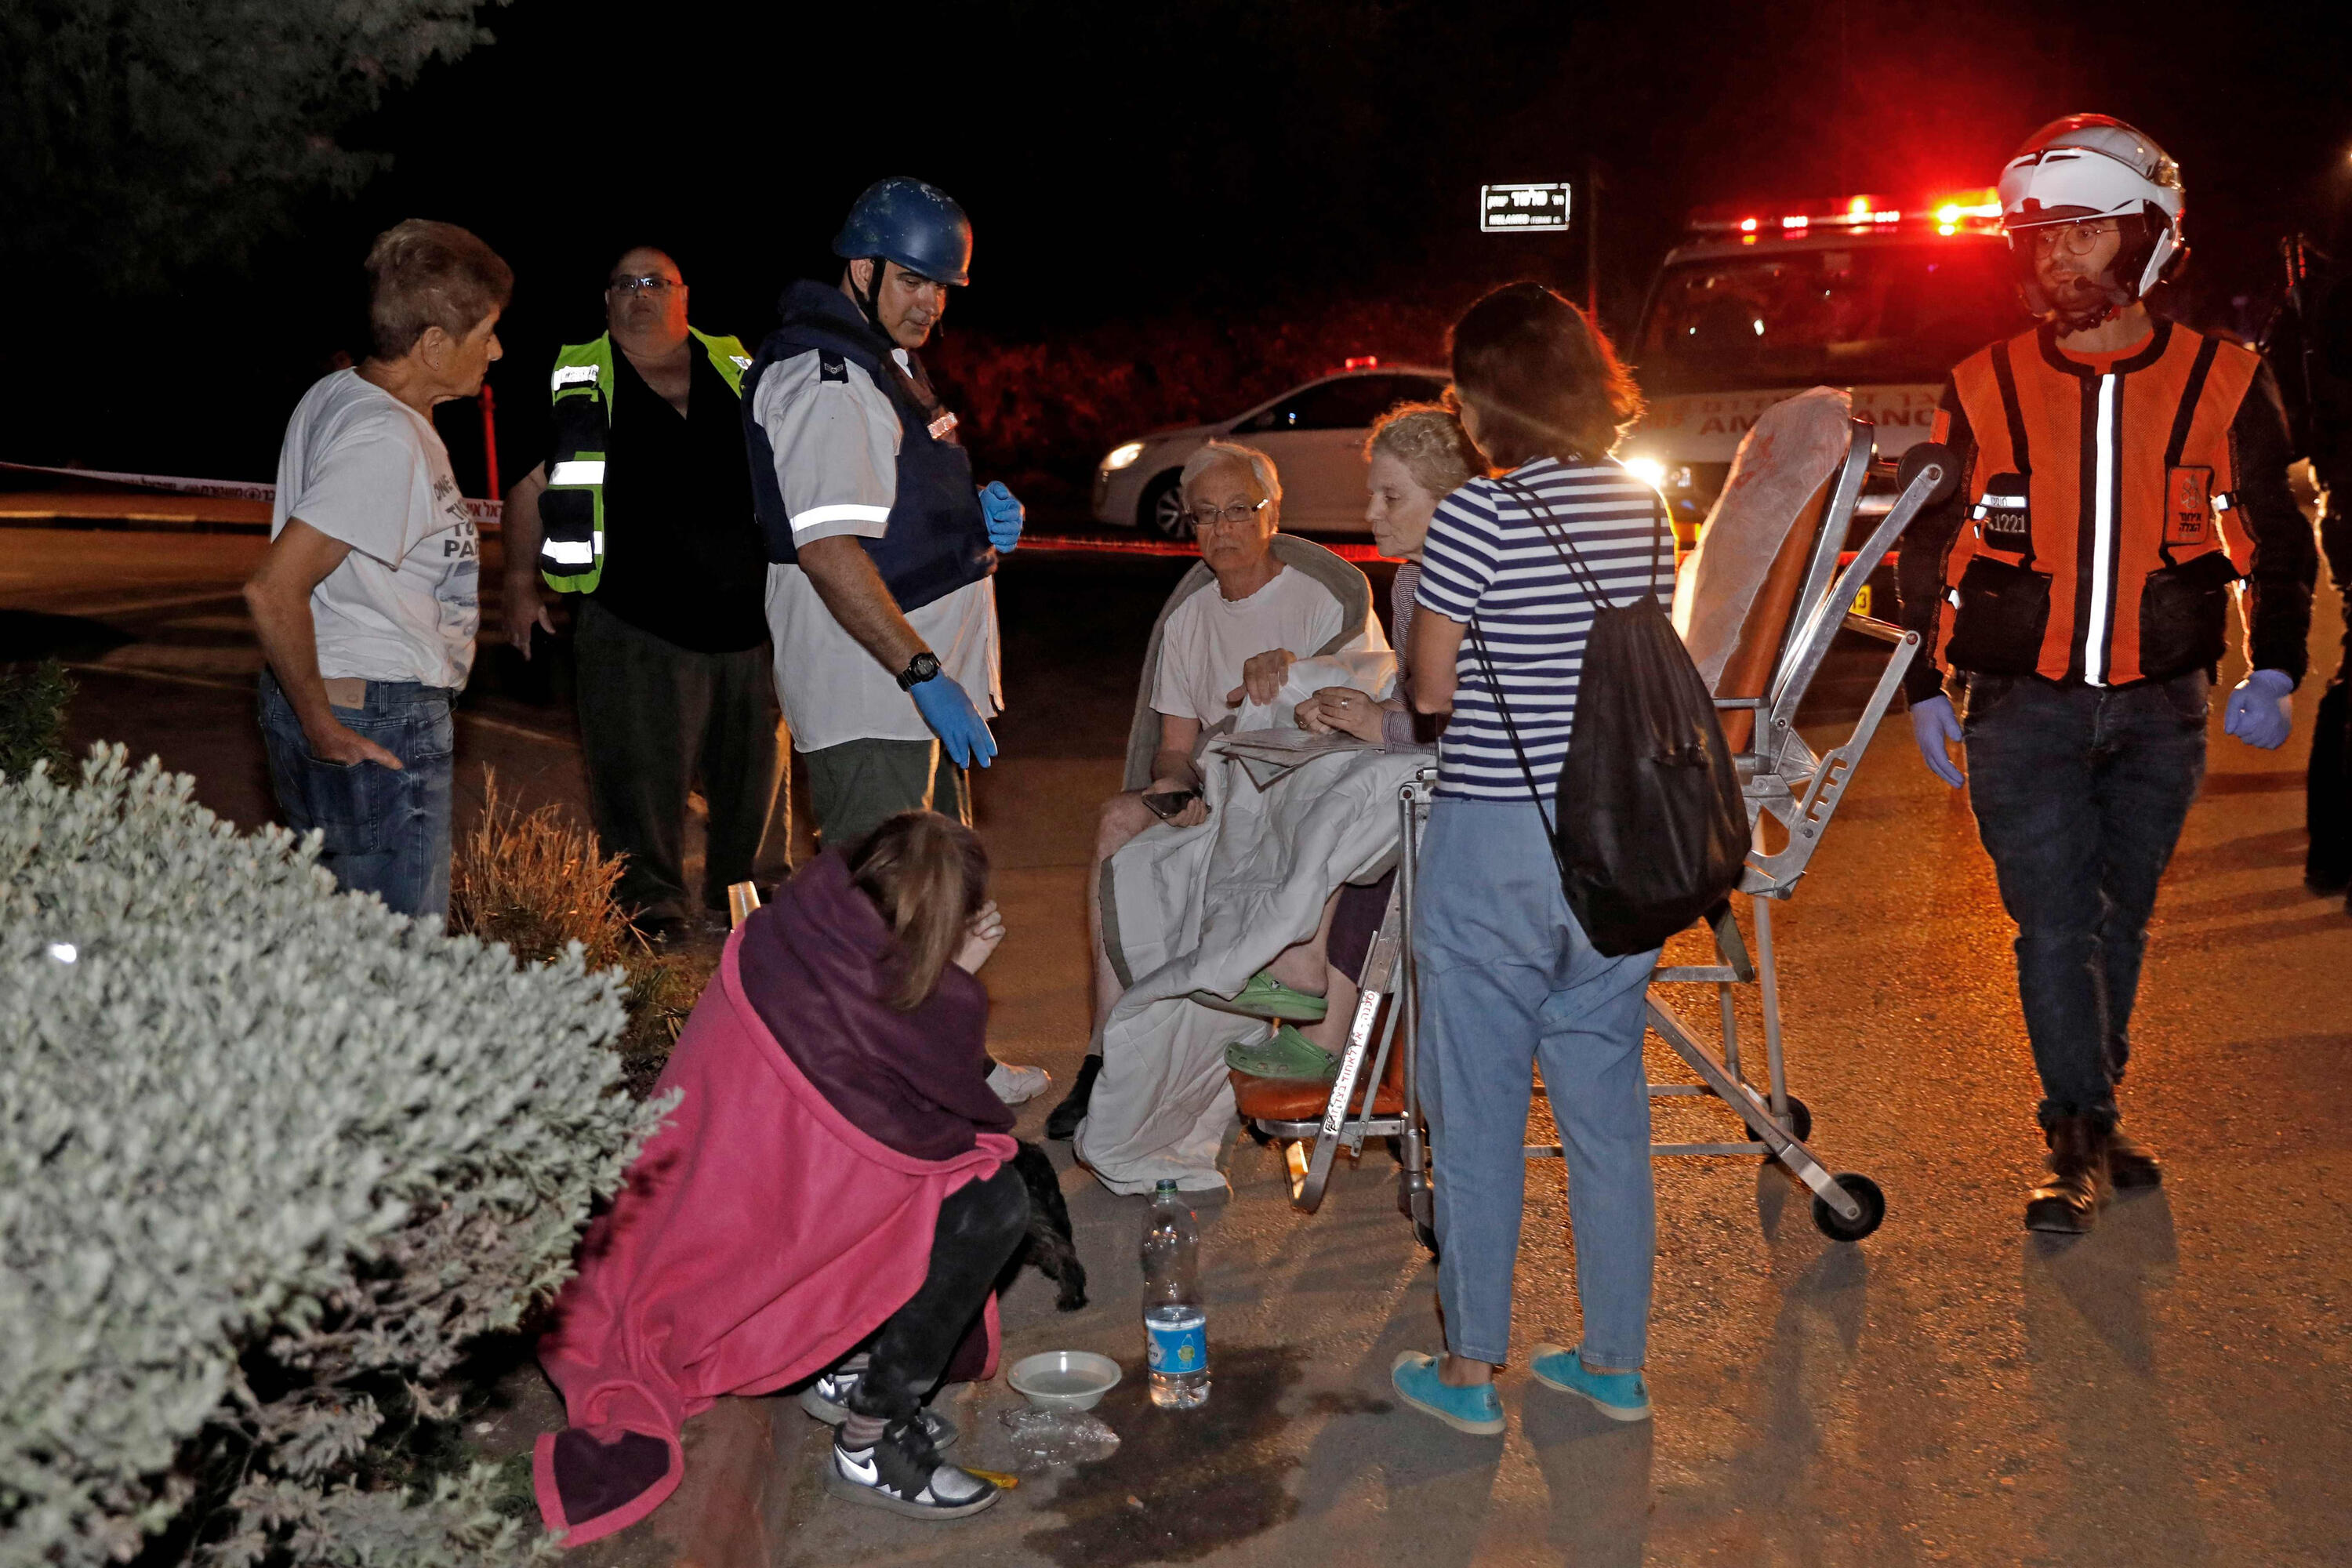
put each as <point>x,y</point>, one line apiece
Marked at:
<point>2095,166</point>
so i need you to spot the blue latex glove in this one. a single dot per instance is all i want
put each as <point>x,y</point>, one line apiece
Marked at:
<point>1933,724</point>
<point>953,720</point>
<point>1004,514</point>
<point>2262,710</point>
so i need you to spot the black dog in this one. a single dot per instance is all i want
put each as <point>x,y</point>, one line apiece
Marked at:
<point>1049,1245</point>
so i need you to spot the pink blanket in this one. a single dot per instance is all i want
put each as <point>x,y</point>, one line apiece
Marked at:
<point>758,1239</point>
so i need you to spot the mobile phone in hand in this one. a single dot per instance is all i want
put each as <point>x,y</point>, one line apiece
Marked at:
<point>1164,807</point>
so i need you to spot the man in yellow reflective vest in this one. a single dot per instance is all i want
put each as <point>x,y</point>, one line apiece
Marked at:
<point>643,512</point>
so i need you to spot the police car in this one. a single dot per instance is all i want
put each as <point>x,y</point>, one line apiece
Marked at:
<point>1314,433</point>
<point>1876,296</point>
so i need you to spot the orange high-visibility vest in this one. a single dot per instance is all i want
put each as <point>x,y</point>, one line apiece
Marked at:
<point>2101,535</point>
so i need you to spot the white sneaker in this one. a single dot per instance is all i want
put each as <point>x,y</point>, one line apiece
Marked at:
<point>1015,1085</point>
<point>903,1474</point>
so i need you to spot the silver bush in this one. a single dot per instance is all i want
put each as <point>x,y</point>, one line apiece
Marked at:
<point>265,1151</point>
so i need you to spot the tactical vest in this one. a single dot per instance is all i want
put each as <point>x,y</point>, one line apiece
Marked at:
<point>571,511</point>
<point>2100,543</point>
<point>936,540</point>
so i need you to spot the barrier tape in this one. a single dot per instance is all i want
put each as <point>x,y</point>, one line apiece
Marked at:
<point>486,514</point>
<point>1102,544</point>
<point>481,511</point>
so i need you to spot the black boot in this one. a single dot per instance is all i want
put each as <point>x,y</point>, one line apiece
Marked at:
<point>2131,1164</point>
<point>1062,1121</point>
<point>2067,1200</point>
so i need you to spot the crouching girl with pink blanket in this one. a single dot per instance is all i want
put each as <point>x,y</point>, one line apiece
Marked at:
<point>832,1197</point>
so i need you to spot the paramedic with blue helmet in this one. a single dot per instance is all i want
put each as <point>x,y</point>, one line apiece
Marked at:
<point>881,598</point>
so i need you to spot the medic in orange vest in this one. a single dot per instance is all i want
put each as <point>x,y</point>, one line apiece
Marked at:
<point>2123,475</point>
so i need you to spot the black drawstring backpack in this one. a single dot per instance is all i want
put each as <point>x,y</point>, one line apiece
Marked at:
<point>1647,828</point>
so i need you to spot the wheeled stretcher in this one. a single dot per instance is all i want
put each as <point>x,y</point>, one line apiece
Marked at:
<point>1765,671</point>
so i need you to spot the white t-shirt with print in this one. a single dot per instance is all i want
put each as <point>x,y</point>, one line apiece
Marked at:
<point>1209,637</point>
<point>836,446</point>
<point>361,467</point>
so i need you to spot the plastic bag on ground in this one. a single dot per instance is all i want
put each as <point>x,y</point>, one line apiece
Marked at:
<point>1049,1439</point>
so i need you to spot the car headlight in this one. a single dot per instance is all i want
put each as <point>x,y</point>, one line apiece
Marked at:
<point>1649,470</point>
<point>1121,456</point>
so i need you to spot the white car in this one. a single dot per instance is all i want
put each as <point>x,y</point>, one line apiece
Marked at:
<point>1314,433</point>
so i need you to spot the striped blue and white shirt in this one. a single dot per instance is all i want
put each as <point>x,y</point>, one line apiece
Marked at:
<point>1488,564</point>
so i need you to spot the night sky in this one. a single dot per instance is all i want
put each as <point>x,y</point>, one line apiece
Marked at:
<point>1166,174</point>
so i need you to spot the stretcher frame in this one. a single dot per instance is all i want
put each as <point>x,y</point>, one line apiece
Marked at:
<point>1782,782</point>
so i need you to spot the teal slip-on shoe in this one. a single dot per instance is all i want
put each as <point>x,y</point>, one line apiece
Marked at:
<point>1478,1410</point>
<point>1618,1395</point>
<point>1266,997</point>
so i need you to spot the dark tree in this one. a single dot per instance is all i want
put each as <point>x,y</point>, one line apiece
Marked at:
<point>141,138</point>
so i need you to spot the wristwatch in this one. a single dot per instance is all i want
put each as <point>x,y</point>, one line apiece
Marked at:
<point>919,668</point>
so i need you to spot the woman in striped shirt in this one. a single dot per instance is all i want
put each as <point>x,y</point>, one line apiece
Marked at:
<point>1509,979</point>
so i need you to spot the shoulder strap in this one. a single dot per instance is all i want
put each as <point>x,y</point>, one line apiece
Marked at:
<point>1545,519</point>
<point>2004,375</point>
<point>1555,533</point>
<point>2191,395</point>
<point>1511,730</point>
<point>2192,392</point>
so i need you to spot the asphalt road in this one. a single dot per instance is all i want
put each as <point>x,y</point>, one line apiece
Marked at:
<point>2169,1390</point>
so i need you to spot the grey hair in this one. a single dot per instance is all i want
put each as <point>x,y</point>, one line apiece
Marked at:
<point>1429,440</point>
<point>1215,452</point>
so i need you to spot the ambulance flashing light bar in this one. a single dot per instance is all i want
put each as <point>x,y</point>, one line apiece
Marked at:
<point>1977,211</point>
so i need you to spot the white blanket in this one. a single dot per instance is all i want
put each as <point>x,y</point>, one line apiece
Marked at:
<point>1371,672</point>
<point>1206,908</point>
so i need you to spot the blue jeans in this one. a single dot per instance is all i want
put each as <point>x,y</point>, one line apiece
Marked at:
<point>386,831</point>
<point>1509,980</point>
<point>2080,792</point>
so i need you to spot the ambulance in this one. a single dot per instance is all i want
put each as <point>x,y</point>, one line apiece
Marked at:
<point>1879,297</point>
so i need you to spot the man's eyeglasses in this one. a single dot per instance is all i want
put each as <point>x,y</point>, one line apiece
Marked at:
<point>1234,516</point>
<point>651,283</point>
<point>2077,238</point>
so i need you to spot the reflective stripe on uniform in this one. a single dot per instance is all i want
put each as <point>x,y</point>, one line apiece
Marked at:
<point>844,511</point>
<point>572,375</point>
<point>567,552</point>
<point>578,471</point>
<point>2103,536</point>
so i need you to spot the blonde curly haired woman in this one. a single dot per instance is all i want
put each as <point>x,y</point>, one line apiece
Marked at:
<point>1418,455</point>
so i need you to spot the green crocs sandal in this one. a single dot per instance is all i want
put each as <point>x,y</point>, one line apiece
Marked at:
<point>1266,997</point>
<point>1285,1054</point>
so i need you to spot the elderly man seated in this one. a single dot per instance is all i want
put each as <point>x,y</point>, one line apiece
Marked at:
<point>1276,599</point>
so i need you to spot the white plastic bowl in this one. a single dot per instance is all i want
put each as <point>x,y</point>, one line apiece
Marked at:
<point>1064,1380</point>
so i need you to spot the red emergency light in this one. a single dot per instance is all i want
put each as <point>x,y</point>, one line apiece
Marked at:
<point>1976,210</point>
<point>1361,361</point>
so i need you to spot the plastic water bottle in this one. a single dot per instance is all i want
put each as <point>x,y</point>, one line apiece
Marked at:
<point>1175,1319</point>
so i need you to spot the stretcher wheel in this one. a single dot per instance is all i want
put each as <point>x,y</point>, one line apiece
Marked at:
<point>1862,1190</point>
<point>1800,1124</point>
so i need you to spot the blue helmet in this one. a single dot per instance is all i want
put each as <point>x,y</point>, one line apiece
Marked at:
<point>911,223</point>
